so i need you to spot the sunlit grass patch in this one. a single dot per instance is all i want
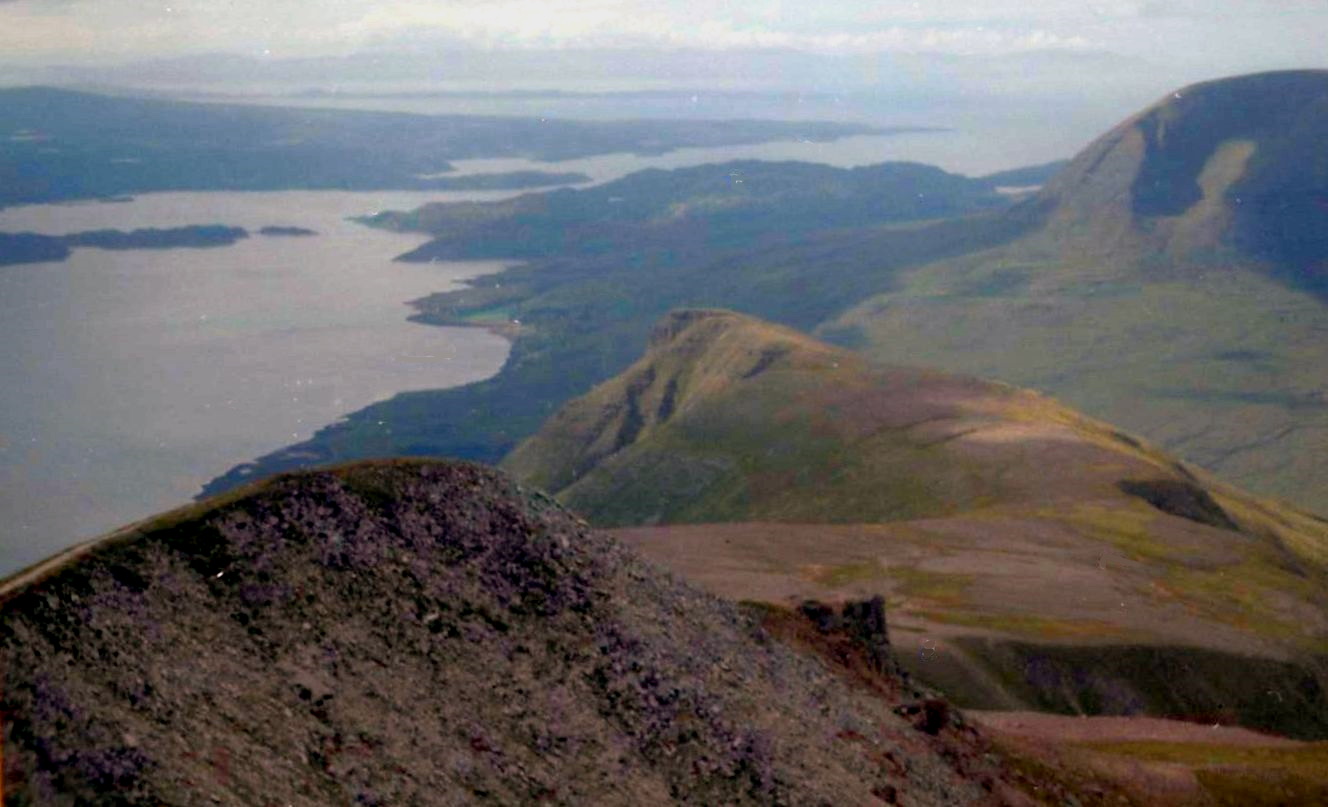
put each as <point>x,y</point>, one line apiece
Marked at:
<point>1030,625</point>
<point>940,588</point>
<point>1247,776</point>
<point>485,316</point>
<point>1301,533</point>
<point>1129,529</point>
<point>845,574</point>
<point>1248,596</point>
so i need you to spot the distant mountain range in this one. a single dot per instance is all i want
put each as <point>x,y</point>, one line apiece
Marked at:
<point>904,78</point>
<point>60,144</point>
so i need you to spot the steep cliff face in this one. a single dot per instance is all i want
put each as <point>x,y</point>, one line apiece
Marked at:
<point>421,633</point>
<point>1220,171</point>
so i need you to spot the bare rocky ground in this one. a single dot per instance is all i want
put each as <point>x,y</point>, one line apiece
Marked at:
<point>428,633</point>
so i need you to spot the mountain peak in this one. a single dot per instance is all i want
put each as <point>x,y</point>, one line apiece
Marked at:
<point>688,332</point>
<point>1217,171</point>
<point>727,417</point>
<point>675,323</point>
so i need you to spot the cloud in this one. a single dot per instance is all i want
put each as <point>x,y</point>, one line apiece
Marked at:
<point>296,26</point>
<point>1206,9</point>
<point>751,24</point>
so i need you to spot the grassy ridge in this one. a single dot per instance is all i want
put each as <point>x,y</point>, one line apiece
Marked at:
<point>1225,372</point>
<point>1238,776</point>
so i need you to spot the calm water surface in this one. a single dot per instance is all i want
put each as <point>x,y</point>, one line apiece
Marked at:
<point>131,378</point>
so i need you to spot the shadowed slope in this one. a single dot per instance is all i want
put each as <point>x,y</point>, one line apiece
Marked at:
<point>1217,172</point>
<point>419,633</point>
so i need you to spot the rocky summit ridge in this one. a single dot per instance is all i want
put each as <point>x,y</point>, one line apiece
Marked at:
<point>420,633</point>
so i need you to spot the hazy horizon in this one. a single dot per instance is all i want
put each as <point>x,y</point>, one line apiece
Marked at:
<point>1106,55</point>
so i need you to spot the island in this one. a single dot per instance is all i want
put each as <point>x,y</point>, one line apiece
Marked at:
<point>16,248</point>
<point>278,230</point>
<point>196,236</point>
<point>19,248</point>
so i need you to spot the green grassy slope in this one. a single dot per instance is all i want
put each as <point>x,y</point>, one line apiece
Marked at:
<point>761,423</point>
<point>1176,287</point>
<point>764,423</point>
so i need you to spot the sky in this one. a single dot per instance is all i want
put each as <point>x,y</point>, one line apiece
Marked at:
<point>1232,31</point>
<point>1166,39</point>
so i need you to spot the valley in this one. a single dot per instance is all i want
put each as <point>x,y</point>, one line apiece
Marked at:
<point>1208,347</point>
